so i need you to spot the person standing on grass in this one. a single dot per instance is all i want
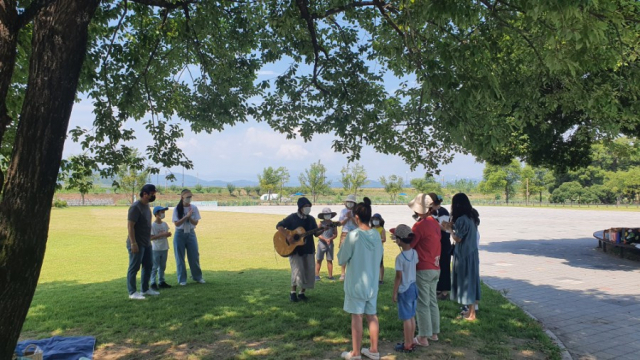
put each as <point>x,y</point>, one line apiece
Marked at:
<point>362,253</point>
<point>325,242</point>
<point>139,243</point>
<point>377,222</point>
<point>348,223</point>
<point>405,291</point>
<point>442,215</point>
<point>186,217</point>
<point>465,278</point>
<point>427,245</point>
<point>160,244</point>
<point>301,261</point>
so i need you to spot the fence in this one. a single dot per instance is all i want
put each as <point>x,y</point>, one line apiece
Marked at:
<point>88,202</point>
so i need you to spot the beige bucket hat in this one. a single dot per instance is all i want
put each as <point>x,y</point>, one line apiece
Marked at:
<point>421,203</point>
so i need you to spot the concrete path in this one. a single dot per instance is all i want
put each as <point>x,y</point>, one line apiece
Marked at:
<point>547,262</point>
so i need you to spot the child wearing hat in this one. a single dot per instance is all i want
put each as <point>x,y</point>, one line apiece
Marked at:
<point>160,244</point>
<point>325,243</point>
<point>405,291</point>
<point>347,220</point>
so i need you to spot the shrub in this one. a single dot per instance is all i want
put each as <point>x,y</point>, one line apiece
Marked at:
<point>57,203</point>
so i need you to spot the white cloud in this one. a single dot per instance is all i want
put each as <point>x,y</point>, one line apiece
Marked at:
<point>292,152</point>
<point>267,72</point>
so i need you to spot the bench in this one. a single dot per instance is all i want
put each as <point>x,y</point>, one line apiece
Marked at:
<point>603,243</point>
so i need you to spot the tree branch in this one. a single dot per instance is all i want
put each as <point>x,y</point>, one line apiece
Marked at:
<point>31,12</point>
<point>304,12</point>
<point>165,4</point>
<point>340,9</point>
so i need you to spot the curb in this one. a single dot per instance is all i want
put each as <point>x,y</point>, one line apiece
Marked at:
<point>564,353</point>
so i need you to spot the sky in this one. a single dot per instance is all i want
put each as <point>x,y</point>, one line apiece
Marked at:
<point>241,152</point>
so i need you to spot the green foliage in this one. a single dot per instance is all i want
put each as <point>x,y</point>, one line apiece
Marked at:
<point>79,174</point>
<point>392,186</point>
<point>231,188</point>
<point>314,180</point>
<point>131,177</point>
<point>57,203</point>
<point>283,178</point>
<point>353,178</point>
<point>198,189</point>
<point>427,184</point>
<point>248,189</point>
<point>269,180</point>
<point>496,178</point>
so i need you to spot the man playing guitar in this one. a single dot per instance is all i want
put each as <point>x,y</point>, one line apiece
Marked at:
<point>302,260</point>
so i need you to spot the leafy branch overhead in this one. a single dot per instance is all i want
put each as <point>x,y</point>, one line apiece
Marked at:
<point>499,79</point>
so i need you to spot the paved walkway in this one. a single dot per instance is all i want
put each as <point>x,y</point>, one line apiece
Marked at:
<point>546,261</point>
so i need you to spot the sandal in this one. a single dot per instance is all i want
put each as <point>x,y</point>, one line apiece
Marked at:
<point>417,342</point>
<point>400,347</point>
<point>434,337</point>
<point>347,355</point>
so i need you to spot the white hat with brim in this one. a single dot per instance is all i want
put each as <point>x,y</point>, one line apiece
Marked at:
<point>327,211</point>
<point>421,203</point>
<point>350,198</point>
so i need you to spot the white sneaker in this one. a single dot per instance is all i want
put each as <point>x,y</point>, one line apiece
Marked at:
<point>137,296</point>
<point>201,281</point>
<point>368,354</point>
<point>183,284</point>
<point>151,292</point>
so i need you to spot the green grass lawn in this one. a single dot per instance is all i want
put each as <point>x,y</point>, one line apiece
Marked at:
<point>243,311</point>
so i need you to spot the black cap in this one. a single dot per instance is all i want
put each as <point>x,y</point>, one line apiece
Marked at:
<point>148,188</point>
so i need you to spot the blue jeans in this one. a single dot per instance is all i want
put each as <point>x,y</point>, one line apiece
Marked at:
<point>141,258</point>
<point>188,242</point>
<point>159,265</point>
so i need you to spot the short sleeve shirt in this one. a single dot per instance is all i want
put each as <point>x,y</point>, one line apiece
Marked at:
<point>349,225</point>
<point>406,262</point>
<point>194,216</point>
<point>161,243</point>
<point>140,214</point>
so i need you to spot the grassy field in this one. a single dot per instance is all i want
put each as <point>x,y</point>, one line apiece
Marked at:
<point>243,310</point>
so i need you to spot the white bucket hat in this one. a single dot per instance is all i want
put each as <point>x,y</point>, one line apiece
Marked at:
<point>421,203</point>
<point>351,198</point>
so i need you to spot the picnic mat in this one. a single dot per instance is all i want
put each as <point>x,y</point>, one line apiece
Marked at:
<point>62,348</point>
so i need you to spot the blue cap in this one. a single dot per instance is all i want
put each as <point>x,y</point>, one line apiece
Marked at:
<point>376,215</point>
<point>159,208</point>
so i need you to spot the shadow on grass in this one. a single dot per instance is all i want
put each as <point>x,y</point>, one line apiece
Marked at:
<point>580,253</point>
<point>247,314</point>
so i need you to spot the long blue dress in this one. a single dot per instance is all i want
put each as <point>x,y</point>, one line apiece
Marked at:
<point>465,277</point>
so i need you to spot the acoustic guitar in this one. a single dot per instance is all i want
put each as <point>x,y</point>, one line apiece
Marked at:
<point>285,248</point>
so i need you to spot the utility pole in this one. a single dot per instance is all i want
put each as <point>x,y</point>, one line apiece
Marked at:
<point>165,180</point>
<point>183,177</point>
<point>527,192</point>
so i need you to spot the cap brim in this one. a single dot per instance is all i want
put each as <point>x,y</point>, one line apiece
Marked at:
<point>393,231</point>
<point>332,214</point>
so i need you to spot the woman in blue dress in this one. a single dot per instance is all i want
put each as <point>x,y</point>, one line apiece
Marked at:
<point>465,277</point>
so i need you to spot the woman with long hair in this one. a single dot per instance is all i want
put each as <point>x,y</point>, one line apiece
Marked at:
<point>185,217</point>
<point>465,277</point>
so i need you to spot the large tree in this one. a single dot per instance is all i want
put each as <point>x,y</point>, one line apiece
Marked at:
<point>496,178</point>
<point>538,80</point>
<point>269,181</point>
<point>392,186</point>
<point>353,177</point>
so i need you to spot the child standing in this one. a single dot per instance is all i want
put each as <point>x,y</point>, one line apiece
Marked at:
<point>377,223</point>
<point>405,291</point>
<point>325,245</point>
<point>159,234</point>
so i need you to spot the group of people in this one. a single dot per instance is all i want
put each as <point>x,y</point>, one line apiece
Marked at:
<point>148,244</point>
<point>424,269</point>
<point>423,272</point>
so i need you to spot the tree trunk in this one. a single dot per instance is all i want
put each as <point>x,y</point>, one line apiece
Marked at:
<point>82,195</point>
<point>58,49</point>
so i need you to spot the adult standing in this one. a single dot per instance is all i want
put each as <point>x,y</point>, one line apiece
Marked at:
<point>442,215</point>
<point>301,261</point>
<point>348,222</point>
<point>465,278</point>
<point>139,243</point>
<point>186,217</point>
<point>427,245</point>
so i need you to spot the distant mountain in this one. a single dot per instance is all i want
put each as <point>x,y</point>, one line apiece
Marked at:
<point>191,181</point>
